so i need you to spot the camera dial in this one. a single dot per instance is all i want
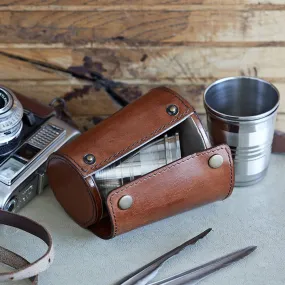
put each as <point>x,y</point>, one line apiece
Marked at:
<point>11,205</point>
<point>11,114</point>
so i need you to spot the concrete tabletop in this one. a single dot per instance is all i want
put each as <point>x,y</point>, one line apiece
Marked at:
<point>251,216</point>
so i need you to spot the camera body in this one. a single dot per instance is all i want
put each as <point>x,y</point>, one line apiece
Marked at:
<point>29,133</point>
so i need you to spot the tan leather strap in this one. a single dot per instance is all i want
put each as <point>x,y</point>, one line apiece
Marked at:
<point>16,261</point>
<point>24,268</point>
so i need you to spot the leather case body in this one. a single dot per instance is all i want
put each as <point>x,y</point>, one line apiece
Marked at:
<point>179,186</point>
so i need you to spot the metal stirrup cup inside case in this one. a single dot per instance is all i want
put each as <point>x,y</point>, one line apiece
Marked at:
<point>149,161</point>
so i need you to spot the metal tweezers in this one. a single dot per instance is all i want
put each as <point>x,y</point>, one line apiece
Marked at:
<point>193,276</point>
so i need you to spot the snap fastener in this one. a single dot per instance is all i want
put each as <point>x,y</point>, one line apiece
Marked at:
<point>172,110</point>
<point>216,161</point>
<point>125,202</point>
<point>89,159</point>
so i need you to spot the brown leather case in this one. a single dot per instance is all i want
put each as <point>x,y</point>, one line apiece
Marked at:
<point>182,185</point>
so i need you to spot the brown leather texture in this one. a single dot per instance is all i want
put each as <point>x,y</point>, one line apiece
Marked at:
<point>127,129</point>
<point>278,145</point>
<point>182,185</point>
<point>79,199</point>
<point>201,130</point>
<point>177,187</point>
<point>34,106</point>
<point>108,141</point>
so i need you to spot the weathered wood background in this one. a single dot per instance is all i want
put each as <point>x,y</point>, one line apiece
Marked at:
<point>86,50</point>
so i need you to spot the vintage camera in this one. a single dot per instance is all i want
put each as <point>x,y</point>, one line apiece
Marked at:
<point>29,133</point>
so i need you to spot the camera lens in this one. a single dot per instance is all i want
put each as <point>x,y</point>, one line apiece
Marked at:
<point>11,113</point>
<point>10,206</point>
<point>3,100</point>
<point>6,101</point>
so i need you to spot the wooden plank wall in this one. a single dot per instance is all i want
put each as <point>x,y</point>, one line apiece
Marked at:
<point>84,50</point>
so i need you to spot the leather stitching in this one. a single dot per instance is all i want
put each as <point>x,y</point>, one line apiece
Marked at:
<point>231,173</point>
<point>176,95</point>
<point>199,130</point>
<point>140,141</point>
<point>95,167</point>
<point>94,207</point>
<point>164,170</point>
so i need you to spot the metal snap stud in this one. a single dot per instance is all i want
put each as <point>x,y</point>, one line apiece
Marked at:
<point>125,202</point>
<point>216,161</point>
<point>89,159</point>
<point>172,110</point>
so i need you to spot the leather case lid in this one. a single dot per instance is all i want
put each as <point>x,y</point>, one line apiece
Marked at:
<point>126,130</point>
<point>179,186</point>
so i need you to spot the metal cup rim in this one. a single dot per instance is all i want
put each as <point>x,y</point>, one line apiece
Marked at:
<point>240,118</point>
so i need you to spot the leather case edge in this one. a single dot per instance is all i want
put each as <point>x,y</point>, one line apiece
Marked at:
<point>177,187</point>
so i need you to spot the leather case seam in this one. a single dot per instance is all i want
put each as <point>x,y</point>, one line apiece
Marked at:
<point>231,173</point>
<point>188,106</point>
<point>167,169</point>
<point>94,208</point>
<point>96,167</point>
<point>141,140</point>
<point>70,158</point>
<point>198,129</point>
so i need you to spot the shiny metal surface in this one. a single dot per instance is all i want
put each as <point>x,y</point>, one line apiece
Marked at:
<point>125,202</point>
<point>11,205</point>
<point>241,111</point>
<point>216,161</point>
<point>172,110</point>
<point>145,274</point>
<point>193,276</point>
<point>6,100</point>
<point>11,113</point>
<point>196,275</point>
<point>152,156</point>
<point>89,159</point>
<point>18,188</point>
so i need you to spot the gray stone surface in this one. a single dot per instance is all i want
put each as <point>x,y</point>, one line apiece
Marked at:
<point>251,216</point>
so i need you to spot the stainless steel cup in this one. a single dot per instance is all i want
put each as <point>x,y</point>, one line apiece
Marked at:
<point>241,112</point>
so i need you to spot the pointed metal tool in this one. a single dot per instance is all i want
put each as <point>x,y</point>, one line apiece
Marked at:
<point>195,275</point>
<point>149,271</point>
<point>144,275</point>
